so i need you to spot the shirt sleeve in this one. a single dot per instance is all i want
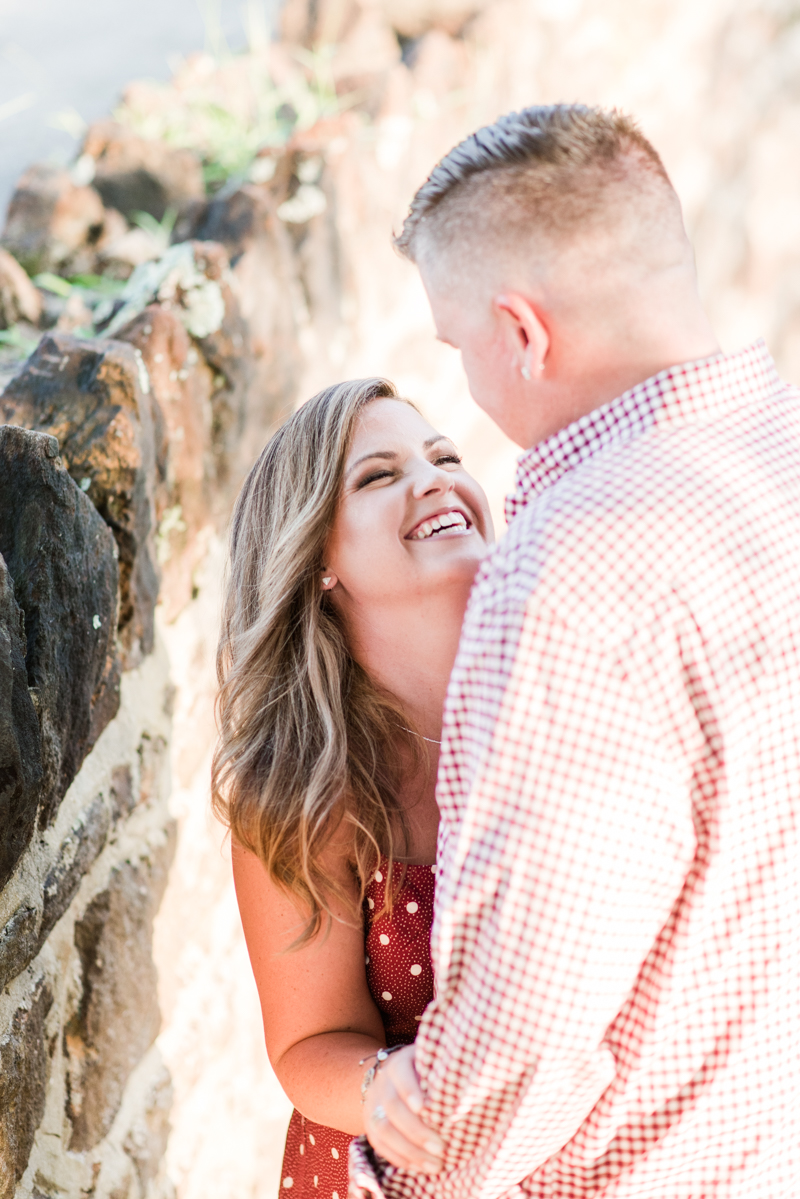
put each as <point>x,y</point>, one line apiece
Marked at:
<point>567,840</point>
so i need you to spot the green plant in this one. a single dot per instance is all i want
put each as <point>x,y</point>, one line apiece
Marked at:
<point>18,342</point>
<point>160,231</point>
<point>235,109</point>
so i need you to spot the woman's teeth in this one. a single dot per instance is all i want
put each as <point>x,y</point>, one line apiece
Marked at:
<point>449,520</point>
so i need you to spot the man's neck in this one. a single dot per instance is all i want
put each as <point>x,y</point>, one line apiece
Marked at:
<point>595,373</point>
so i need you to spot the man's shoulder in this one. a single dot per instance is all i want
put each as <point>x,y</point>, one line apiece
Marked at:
<point>639,520</point>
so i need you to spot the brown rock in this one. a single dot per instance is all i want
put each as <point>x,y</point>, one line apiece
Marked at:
<point>19,943</point>
<point>133,174</point>
<point>412,18</point>
<point>50,219</point>
<point>123,801</point>
<point>19,299</point>
<point>146,1142</point>
<point>25,933</point>
<point>20,740</point>
<point>24,1065</point>
<point>74,315</point>
<point>61,557</point>
<point>90,395</point>
<point>80,848</point>
<point>118,1017</point>
<point>183,385</point>
<point>312,23</point>
<point>153,765</point>
<point>261,255</point>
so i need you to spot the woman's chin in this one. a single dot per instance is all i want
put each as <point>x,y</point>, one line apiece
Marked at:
<point>458,564</point>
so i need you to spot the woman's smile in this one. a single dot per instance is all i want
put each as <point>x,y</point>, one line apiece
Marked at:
<point>446,522</point>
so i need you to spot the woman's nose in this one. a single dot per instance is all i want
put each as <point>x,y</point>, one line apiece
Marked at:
<point>432,480</point>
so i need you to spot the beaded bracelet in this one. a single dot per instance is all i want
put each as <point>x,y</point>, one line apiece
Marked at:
<point>380,1057</point>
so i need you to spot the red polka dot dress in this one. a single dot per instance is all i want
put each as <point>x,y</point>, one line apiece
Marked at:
<point>400,978</point>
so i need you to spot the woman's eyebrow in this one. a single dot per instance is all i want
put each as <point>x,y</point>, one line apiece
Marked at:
<point>389,455</point>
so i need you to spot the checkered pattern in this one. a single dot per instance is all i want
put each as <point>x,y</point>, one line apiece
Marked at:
<point>617,931</point>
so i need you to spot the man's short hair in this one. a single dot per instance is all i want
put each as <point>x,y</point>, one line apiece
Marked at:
<point>547,169</point>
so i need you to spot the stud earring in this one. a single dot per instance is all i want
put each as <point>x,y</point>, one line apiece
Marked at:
<point>327,582</point>
<point>525,371</point>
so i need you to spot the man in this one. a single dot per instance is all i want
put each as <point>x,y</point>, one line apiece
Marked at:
<point>616,945</point>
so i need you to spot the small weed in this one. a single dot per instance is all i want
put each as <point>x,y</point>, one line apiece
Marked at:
<point>234,109</point>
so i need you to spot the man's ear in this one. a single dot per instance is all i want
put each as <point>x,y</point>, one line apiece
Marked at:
<point>526,331</point>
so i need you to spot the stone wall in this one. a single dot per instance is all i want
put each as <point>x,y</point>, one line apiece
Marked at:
<point>118,459</point>
<point>131,426</point>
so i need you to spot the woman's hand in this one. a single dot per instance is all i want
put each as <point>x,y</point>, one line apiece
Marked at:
<point>392,1122</point>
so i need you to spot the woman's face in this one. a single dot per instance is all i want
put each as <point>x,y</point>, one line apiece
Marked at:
<point>411,521</point>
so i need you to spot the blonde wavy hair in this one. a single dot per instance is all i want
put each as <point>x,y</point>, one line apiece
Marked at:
<point>306,739</point>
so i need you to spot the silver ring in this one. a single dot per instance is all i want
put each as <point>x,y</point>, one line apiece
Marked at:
<point>379,1114</point>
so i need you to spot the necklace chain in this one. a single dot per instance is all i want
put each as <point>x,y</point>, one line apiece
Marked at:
<point>413,733</point>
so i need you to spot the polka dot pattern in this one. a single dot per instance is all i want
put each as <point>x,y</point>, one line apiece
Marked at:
<point>400,979</point>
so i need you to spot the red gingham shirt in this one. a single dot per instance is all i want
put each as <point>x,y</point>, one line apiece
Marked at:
<point>617,931</point>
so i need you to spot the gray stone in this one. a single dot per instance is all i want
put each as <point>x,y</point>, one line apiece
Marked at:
<point>94,397</point>
<point>60,555</point>
<point>19,299</point>
<point>25,934</point>
<point>52,223</point>
<point>146,1142</point>
<point>20,741</point>
<point>78,851</point>
<point>24,1067</point>
<point>266,375</point>
<point>118,1017</point>
<point>122,798</point>
<point>135,174</point>
<point>153,761</point>
<point>19,942</point>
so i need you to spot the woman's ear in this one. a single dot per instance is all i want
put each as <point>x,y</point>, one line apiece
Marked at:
<point>329,581</point>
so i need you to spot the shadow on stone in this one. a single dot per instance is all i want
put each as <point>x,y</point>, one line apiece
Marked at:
<point>24,1062</point>
<point>118,1017</point>
<point>60,556</point>
<point>20,742</point>
<point>93,397</point>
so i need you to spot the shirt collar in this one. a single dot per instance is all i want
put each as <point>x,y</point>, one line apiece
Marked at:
<point>710,385</point>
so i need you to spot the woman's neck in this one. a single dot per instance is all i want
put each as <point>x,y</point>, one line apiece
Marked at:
<point>409,650</point>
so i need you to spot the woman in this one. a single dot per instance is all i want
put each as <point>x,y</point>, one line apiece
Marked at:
<point>354,545</point>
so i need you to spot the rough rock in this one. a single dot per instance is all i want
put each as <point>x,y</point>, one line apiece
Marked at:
<point>153,763</point>
<point>335,22</point>
<point>146,1142</point>
<point>24,1061</point>
<point>310,23</point>
<point>94,397</point>
<point>260,251</point>
<point>19,942</point>
<point>121,795</point>
<point>200,384</point>
<point>51,220</point>
<point>182,384</point>
<point>413,18</point>
<point>78,851</point>
<point>20,740</point>
<point>118,1017</point>
<point>19,299</point>
<point>134,174</point>
<point>61,557</point>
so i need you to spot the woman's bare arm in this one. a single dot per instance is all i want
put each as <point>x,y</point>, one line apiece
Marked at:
<point>319,1017</point>
<point>320,1021</point>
